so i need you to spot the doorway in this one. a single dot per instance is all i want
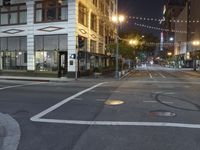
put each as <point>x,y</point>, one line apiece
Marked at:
<point>63,64</point>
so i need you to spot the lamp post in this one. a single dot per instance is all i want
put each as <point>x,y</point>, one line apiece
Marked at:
<point>196,44</point>
<point>118,19</point>
<point>134,42</point>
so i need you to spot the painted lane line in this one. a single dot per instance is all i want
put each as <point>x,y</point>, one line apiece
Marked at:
<point>15,86</point>
<point>162,75</point>
<point>52,108</point>
<point>150,75</point>
<point>119,123</point>
<point>165,82</point>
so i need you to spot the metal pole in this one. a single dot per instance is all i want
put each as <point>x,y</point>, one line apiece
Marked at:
<point>76,59</point>
<point>117,45</point>
<point>117,56</point>
<point>194,60</point>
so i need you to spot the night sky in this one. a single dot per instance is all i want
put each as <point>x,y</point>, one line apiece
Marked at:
<point>142,8</point>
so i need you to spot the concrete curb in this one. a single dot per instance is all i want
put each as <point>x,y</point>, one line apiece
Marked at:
<point>35,79</point>
<point>9,133</point>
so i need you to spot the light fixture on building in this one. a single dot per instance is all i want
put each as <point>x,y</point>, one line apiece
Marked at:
<point>196,43</point>
<point>60,1</point>
<point>171,39</point>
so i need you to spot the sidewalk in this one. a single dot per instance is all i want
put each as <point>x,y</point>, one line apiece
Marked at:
<point>39,79</point>
<point>9,133</point>
<point>105,76</point>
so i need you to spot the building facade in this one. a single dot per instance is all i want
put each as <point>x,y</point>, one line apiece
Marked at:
<point>187,52</point>
<point>46,36</point>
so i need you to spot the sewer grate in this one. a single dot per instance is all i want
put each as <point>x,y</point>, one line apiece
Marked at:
<point>162,113</point>
<point>114,102</point>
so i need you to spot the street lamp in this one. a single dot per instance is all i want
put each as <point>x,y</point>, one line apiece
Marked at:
<point>195,43</point>
<point>117,19</point>
<point>133,42</point>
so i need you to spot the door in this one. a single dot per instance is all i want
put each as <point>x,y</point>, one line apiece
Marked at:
<point>63,64</point>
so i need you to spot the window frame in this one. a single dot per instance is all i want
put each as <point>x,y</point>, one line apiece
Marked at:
<point>93,22</point>
<point>83,10</point>
<point>9,12</point>
<point>44,9</point>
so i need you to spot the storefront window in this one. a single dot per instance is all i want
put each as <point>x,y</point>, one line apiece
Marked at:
<point>13,53</point>
<point>46,61</point>
<point>47,49</point>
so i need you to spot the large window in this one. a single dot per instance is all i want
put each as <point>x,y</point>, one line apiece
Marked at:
<point>82,15</point>
<point>101,50</point>
<point>93,22</point>
<point>13,53</point>
<point>94,2</point>
<point>93,46</point>
<point>46,51</point>
<point>101,27</point>
<point>54,10</point>
<point>15,14</point>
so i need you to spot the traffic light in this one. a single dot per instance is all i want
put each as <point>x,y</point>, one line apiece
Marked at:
<point>81,42</point>
<point>6,2</point>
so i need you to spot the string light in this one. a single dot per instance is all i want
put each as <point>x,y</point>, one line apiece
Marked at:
<point>160,20</point>
<point>160,29</point>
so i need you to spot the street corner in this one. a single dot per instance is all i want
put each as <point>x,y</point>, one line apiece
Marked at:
<point>9,132</point>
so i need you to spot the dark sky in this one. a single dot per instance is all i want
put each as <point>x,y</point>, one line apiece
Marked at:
<point>142,8</point>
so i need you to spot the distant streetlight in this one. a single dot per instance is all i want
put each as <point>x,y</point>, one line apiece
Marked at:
<point>117,19</point>
<point>133,42</point>
<point>171,39</point>
<point>169,53</point>
<point>194,43</point>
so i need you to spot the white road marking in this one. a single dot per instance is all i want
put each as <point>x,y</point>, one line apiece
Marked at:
<point>165,82</point>
<point>150,75</point>
<point>169,93</point>
<point>21,85</point>
<point>119,123</point>
<point>52,108</point>
<point>78,98</point>
<point>162,75</point>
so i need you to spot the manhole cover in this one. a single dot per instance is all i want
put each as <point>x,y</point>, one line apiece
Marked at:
<point>114,102</point>
<point>162,113</point>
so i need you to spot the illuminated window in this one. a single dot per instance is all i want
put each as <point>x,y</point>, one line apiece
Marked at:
<point>82,15</point>
<point>93,22</point>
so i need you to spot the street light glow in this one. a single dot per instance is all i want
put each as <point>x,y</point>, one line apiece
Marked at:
<point>118,19</point>
<point>171,39</point>
<point>121,18</point>
<point>196,43</point>
<point>133,42</point>
<point>169,53</point>
<point>114,19</point>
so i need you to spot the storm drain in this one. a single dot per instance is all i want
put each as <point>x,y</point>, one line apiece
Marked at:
<point>113,102</point>
<point>162,113</point>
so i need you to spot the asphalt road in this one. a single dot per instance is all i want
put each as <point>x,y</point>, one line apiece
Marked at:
<point>160,111</point>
